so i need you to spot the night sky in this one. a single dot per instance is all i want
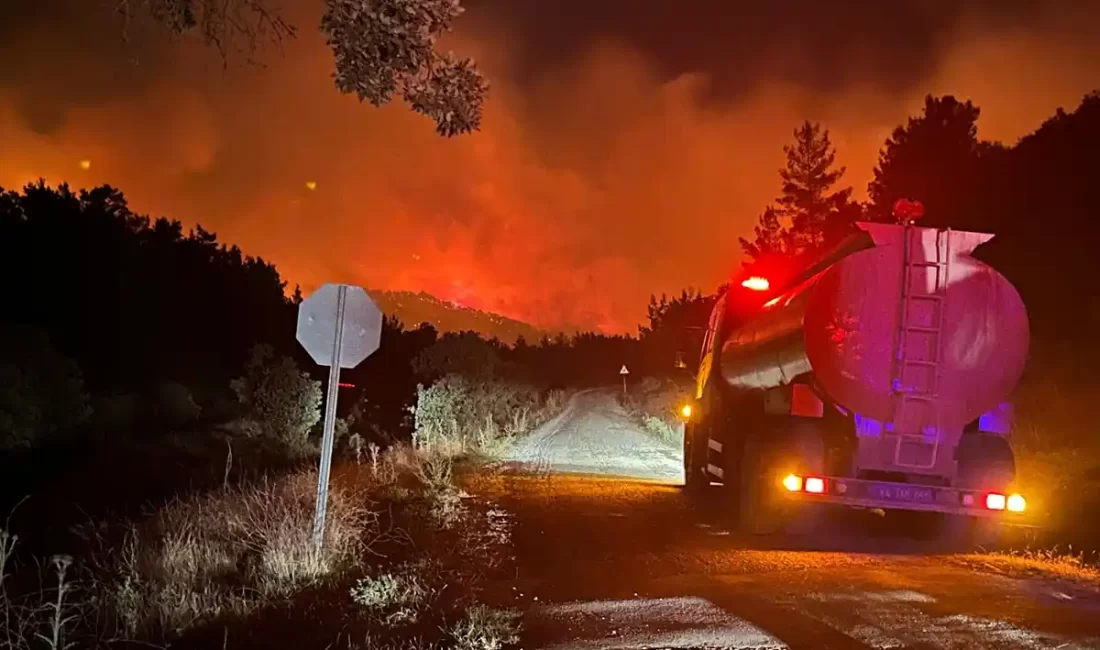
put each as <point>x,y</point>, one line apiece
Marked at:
<point>626,144</point>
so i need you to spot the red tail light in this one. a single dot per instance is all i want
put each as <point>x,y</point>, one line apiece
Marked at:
<point>994,501</point>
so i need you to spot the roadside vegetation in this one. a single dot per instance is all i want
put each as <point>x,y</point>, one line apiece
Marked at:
<point>655,404</point>
<point>404,545</point>
<point>1063,563</point>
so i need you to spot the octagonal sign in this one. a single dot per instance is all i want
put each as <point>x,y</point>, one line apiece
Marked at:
<point>319,320</point>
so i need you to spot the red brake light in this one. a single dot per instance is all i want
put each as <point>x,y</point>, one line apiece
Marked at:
<point>815,485</point>
<point>994,501</point>
<point>756,283</point>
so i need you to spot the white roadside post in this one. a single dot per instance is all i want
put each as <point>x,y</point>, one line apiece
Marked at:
<point>339,326</point>
<point>624,372</point>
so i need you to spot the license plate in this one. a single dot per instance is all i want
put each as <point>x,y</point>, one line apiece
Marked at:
<point>907,493</point>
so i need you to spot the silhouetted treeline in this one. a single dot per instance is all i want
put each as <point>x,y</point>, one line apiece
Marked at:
<point>133,300</point>
<point>132,309</point>
<point>138,303</point>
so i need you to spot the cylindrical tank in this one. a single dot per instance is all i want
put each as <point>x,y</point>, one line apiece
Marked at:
<point>960,337</point>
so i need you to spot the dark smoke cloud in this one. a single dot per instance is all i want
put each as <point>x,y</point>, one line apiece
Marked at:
<point>821,46</point>
<point>626,145</point>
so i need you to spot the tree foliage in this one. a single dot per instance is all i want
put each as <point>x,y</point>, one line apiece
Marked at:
<point>464,353</point>
<point>677,327</point>
<point>385,47</point>
<point>279,400</point>
<point>228,26</point>
<point>818,214</point>
<point>1037,198</point>
<point>381,48</point>
<point>771,238</point>
<point>934,159</point>
<point>810,215</point>
<point>41,391</point>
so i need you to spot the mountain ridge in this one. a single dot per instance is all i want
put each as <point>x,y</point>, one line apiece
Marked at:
<point>415,307</point>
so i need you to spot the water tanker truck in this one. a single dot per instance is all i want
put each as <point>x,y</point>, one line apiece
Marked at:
<point>877,378</point>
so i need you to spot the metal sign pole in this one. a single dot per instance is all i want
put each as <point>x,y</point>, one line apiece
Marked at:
<point>329,427</point>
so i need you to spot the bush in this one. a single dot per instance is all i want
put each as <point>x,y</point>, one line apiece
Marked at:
<point>117,414</point>
<point>655,404</point>
<point>484,628</point>
<point>280,401</point>
<point>396,597</point>
<point>41,391</point>
<point>457,414</point>
<point>227,553</point>
<point>175,407</point>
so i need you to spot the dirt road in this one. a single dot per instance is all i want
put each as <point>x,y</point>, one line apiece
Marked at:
<point>611,554</point>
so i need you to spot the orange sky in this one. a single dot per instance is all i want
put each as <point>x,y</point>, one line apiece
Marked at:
<point>597,179</point>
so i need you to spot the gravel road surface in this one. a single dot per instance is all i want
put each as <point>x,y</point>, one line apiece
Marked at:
<point>610,553</point>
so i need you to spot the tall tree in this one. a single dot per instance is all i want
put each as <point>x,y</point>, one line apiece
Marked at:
<point>809,215</point>
<point>771,237</point>
<point>934,159</point>
<point>817,213</point>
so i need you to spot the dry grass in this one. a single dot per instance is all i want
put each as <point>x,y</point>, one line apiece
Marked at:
<point>397,597</point>
<point>41,619</point>
<point>484,628</point>
<point>227,553</point>
<point>1065,564</point>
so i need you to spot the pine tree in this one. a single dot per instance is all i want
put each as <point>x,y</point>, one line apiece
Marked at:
<point>771,238</point>
<point>815,212</point>
<point>809,216</point>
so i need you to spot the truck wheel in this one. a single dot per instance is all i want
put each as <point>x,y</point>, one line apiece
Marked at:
<point>985,462</point>
<point>758,513</point>
<point>695,478</point>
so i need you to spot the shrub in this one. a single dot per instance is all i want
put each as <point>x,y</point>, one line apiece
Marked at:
<point>457,414</point>
<point>117,413</point>
<point>655,404</point>
<point>227,553</point>
<point>41,391</point>
<point>280,401</point>
<point>175,406</point>
<point>484,628</point>
<point>398,596</point>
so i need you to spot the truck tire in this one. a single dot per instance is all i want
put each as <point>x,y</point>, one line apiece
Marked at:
<point>695,459</point>
<point>763,508</point>
<point>985,462</point>
<point>757,511</point>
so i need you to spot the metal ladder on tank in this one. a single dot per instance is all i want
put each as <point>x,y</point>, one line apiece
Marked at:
<point>929,397</point>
